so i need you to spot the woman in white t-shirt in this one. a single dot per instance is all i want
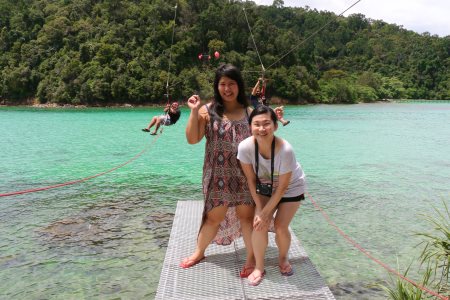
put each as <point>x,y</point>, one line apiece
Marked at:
<point>277,184</point>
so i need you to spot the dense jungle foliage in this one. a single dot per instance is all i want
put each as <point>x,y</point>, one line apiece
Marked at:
<point>118,51</point>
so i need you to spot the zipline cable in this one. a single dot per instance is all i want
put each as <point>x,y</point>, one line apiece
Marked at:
<point>168,70</point>
<point>360,248</point>
<point>83,179</point>
<point>170,53</point>
<point>254,43</point>
<point>313,34</point>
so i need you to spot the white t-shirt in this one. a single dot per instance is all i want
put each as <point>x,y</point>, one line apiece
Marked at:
<point>284,162</point>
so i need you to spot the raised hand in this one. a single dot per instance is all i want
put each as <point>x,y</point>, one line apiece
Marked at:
<point>194,102</point>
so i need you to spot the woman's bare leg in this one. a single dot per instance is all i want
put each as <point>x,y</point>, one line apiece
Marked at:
<point>208,231</point>
<point>245,214</point>
<point>285,213</point>
<point>157,123</point>
<point>259,242</point>
<point>152,122</point>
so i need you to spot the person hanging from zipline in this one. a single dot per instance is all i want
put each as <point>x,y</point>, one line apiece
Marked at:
<point>171,115</point>
<point>258,97</point>
<point>171,112</point>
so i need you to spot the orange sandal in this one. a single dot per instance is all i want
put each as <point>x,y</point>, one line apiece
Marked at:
<point>189,262</point>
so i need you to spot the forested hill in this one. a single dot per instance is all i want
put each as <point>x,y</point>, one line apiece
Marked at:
<point>117,51</point>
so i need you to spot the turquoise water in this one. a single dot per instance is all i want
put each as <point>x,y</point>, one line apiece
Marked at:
<point>374,168</point>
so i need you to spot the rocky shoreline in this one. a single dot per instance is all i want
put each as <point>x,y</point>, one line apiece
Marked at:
<point>35,103</point>
<point>64,106</point>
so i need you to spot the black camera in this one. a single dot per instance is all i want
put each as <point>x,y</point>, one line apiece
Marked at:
<point>264,189</point>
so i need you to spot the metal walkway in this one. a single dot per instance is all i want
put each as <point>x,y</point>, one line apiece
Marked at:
<point>217,277</point>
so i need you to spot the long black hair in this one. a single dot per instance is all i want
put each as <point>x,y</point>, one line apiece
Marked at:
<point>232,72</point>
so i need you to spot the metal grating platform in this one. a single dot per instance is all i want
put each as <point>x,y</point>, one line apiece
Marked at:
<point>217,277</point>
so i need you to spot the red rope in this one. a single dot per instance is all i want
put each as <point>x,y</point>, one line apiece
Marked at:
<point>356,245</point>
<point>79,180</point>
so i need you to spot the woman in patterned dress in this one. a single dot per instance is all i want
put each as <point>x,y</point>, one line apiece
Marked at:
<point>229,208</point>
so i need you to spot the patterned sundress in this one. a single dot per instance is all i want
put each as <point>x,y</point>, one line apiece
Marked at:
<point>224,183</point>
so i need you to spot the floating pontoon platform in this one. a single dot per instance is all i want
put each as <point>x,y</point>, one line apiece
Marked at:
<point>217,276</point>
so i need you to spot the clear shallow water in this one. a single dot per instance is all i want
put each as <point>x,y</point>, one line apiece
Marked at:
<point>374,168</point>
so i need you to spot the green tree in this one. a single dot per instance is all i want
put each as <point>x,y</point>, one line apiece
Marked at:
<point>92,52</point>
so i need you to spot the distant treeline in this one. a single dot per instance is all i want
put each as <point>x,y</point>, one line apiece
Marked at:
<point>117,51</point>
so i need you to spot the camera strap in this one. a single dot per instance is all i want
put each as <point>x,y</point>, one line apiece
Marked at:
<point>272,157</point>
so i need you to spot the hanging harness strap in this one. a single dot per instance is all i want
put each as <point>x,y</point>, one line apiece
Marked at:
<point>262,94</point>
<point>263,88</point>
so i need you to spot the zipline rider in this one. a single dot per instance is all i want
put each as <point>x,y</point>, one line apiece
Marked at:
<point>171,116</point>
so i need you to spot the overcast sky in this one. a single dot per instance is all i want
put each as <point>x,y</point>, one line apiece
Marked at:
<point>420,16</point>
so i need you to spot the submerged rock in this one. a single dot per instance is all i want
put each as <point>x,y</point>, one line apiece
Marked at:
<point>11,261</point>
<point>92,226</point>
<point>76,229</point>
<point>109,225</point>
<point>357,290</point>
<point>160,224</point>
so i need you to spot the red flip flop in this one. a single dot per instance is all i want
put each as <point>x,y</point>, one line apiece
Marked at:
<point>286,270</point>
<point>246,270</point>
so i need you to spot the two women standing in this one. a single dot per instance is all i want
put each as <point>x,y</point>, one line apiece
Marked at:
<point>229,189</point>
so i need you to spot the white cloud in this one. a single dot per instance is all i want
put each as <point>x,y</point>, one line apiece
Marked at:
<point>418,15</point>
